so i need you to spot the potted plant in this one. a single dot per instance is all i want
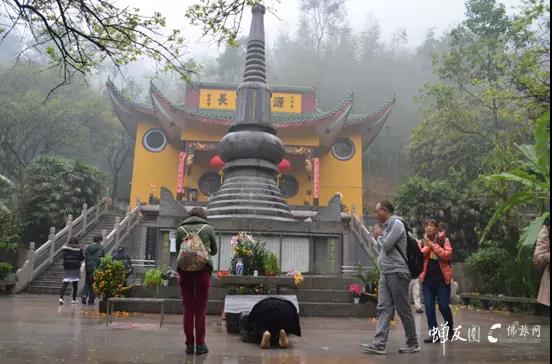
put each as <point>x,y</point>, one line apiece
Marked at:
<point>356,291</point>
<point>271,264</point>
<point>370,279</point>
<point>109,280</point>
<point>153,279</point>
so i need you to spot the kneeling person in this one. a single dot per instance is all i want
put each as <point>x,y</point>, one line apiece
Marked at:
<point>270,322</point>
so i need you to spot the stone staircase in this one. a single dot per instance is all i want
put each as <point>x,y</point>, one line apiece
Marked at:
<point>49,281</point>
<point>319,296</point>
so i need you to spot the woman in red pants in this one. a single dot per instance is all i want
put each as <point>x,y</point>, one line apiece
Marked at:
<point>195,286</point>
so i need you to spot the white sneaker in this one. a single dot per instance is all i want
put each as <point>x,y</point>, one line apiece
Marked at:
<point>410,350</point>
<point>74,302</point>
<point>373,349</point>
<point>61,301</point>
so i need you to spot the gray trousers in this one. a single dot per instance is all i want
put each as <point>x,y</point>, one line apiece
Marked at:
<point>393,294</point>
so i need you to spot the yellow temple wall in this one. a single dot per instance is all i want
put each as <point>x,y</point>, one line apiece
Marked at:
<point>160,169</point>
<point>157,169</point>
<point>342,176</point>
<point>299,136</point>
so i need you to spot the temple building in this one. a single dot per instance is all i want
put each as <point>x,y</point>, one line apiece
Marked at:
<point>176,144</point>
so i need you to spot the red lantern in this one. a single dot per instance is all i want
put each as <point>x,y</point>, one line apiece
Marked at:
<point>216,162</point>
<point>284,166</point>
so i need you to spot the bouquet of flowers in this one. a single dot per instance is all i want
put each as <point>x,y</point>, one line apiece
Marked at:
<point>250,252</point>
<point>297,277</point>
<point>222,273</point>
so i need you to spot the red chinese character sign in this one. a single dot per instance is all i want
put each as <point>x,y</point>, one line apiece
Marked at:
<point>180,177</point>
<point>316,180</point>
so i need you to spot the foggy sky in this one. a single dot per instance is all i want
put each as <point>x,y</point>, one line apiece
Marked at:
<point>416,16</point>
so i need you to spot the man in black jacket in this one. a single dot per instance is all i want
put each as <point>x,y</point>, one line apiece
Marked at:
<point>92,255</point>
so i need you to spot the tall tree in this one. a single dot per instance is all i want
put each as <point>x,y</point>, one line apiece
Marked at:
<point>77,120</point>
<point>322,19</point>
<point>493,84</point>
<point>80,35</point>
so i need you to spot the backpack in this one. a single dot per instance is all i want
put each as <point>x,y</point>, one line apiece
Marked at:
<point>414,257</point>
<point>193,255</point>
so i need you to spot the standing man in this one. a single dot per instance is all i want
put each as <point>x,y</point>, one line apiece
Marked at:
<point>541,258</point>
<point>92,257</point>
<point>394,282</point>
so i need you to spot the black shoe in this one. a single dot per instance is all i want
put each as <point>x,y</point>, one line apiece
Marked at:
<point>91,302</point>
<point>429,340</point>
<point>190,349</point>
<point>201,349</point>
<point>83,300</point>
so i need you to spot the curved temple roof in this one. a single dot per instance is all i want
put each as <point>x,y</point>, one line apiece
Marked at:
<point>172,117</point>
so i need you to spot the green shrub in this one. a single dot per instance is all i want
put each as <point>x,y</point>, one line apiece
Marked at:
<point>5,269</point>
<point>494,270</point>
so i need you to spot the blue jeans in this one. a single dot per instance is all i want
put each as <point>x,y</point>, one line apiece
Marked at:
<point>437,290</point>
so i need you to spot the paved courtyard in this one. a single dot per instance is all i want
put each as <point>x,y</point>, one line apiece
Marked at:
<point>35,329</point>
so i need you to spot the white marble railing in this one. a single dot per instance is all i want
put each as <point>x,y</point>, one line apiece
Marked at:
<point>38,260</point>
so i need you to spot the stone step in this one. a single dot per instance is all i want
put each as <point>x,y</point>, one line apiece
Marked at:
<point>257,204</point>
<point>245,195</point>
<point>51,289</point>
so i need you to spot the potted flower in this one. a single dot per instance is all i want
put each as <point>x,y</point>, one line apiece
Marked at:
<point>109,280</point>
<point>356,291</point>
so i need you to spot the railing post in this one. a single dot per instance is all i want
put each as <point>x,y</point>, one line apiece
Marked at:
<point>138,203</point>
<point>25,273</point>
<point>97,215</point>
<point>69,227</point>
<point>117,228</point>
<point>104,235</point>
<point>84,217</point>
<point>353,210</point>
<point>52,240</point>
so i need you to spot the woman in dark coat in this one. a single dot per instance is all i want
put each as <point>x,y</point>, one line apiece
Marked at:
<point>72,260</point>
<point>269,322</point>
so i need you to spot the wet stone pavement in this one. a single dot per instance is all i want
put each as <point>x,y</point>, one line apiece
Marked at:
<point>35,329</point>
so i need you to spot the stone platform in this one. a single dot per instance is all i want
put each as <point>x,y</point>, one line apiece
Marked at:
<point>317,296</point>
<point>35,329</point>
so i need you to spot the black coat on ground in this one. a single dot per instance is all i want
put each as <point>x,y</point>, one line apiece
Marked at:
<point>272,314</point>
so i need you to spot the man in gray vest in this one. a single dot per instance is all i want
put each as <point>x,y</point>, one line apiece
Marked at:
<point>394,282</point>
